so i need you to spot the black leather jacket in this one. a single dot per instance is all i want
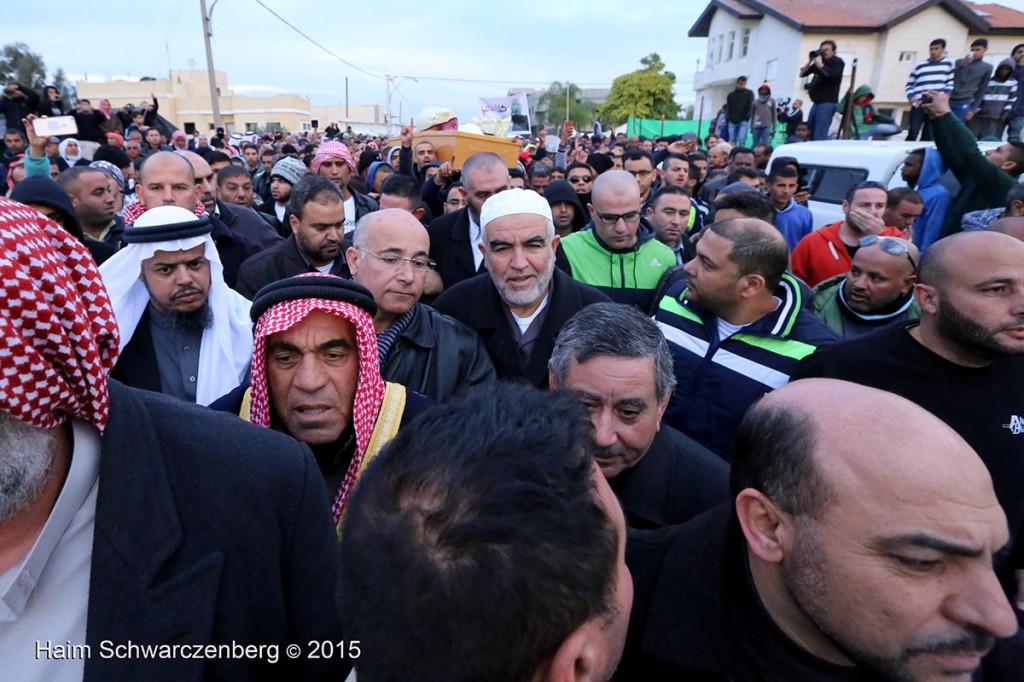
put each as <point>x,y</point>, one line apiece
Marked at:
<point>437,356</point>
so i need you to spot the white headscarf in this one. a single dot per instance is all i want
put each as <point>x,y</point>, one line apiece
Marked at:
<point>63,151</point>
<point>226,348</point>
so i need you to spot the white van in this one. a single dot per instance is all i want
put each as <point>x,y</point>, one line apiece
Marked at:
<point>829,168</point>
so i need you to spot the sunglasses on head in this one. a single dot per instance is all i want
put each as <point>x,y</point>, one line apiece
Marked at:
<point>891,246</point>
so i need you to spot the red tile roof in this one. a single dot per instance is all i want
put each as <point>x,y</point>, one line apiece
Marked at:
<point>998,16</point>
<point>862,15</point>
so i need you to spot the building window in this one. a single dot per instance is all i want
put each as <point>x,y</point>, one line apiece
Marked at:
<point>745,44</point>
<point>711,51</point>
<point>718,52</point>
<point>252,127</point>
<point>771,70</point>
<point>274,127</point>
<point>908,56</point>
<point>732,45</point>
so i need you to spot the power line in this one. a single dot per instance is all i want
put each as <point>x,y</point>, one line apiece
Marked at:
<point>418,78</point>
<point>483,80</point>
<point>294,28</point>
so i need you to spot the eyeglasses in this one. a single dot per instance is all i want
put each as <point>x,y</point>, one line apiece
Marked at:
<point>612,218</point>
<point>639,173</point>
<point>395,262</point>
<point>580,178</point>
<point>891,246</point>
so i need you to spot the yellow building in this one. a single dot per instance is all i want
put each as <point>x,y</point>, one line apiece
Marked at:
<point>184,100</point>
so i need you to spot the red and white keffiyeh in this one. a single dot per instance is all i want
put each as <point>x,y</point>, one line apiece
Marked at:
<point>369,387</point>
<point>332,149</point>
<point>58,335</point>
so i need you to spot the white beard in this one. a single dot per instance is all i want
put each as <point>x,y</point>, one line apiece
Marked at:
<point>25,461</point>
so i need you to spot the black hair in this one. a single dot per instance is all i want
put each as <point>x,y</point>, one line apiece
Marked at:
<point>754,250</point>
<point>778,171</point>
<point>773,452</point>
<point>398,185</point>
<point>230,171</point>
<point>867,184</point>
<point>752,204</point>
<point>739,173</point>
<point>474,543</point>
<point>937,41</point>
<point>1017,156</point>
<point>666,190</point>
<point>980,42</point>
<point>736,151</point>
<point>636,155</point>
<point>217,157</point>
<point>898,194</point>
<point>313,188</point>
<point>68,179</point>
<point>579,164</point>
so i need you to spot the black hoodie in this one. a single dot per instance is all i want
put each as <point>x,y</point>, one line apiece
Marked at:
<point>561,190</point>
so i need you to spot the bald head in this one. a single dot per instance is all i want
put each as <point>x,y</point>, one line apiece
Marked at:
<point>956,256</point>
<point>167,179</point>
<point>805,446</point>
<point>1011,226</point>
<point>615,184</point>
<point>163,160</point>
<point>388,245</point>
<point>399,224</point>
<point>199,165</point>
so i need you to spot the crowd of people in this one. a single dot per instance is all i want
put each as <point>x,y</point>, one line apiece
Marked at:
<point>989,99</point>
<point>307,406</point>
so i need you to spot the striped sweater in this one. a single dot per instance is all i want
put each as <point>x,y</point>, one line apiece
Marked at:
<point>1000,95</point>
<point>929,75</point>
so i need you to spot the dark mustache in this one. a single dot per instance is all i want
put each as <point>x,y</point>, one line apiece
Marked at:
<point>185,292</point>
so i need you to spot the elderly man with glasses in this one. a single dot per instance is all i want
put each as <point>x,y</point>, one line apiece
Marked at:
<point>617,252</point>
<point>878,290</point>
<point>419,347</point>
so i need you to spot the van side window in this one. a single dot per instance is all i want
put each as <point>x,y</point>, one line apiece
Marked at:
<point>830,183</point>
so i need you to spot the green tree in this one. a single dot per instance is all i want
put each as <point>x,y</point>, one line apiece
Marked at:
<point>20,64</point>
<point>645,93</point>
<point>551,107</point>
<point>65,87</point>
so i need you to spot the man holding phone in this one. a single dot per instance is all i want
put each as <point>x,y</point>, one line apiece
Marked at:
<point>89,122</point>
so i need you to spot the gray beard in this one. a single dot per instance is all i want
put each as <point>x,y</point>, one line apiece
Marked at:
<point>25,462</point>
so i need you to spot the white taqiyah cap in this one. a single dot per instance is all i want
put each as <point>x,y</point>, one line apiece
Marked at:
<point>512,202</point>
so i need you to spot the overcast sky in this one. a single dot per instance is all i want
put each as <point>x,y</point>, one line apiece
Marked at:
<point>527,44</point>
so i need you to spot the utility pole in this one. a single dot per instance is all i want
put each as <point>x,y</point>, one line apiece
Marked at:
<point>214,99</point>
<point>387,102</point>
